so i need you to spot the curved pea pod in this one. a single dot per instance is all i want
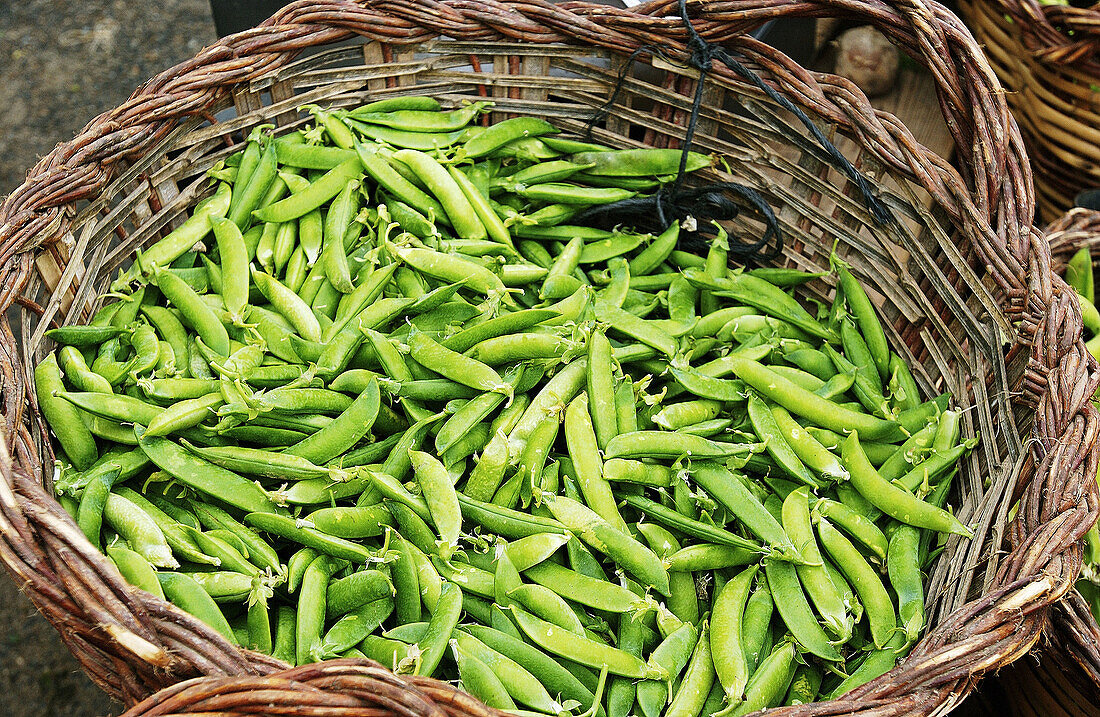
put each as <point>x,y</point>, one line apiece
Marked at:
<point>135,569</point>
<point>501,133</point>
<point>768,430</point>
<point>438,491</point>
<point>480,680</point>
<point>638,162</point>
<point>580,438</point>
<point>733,494</point>
<point>531,550</point>
<point>691,695</point>
<point>869,325</point>
<point>354,627</point>
<point>771,680</point>
<point>896,502</point>
<point>421,120</point>
<point>557,679</point>
<point>877,605</point>
<point>593,592</point>
<point>186,594</point>
<point>260,553</point>
<point>855,524</point>
<point>445,617</point>
<point>726,628</point>
<point>316,195</point>
<point>505,522</point>
<point>64,418</point>
<point>344,431</point>
<point>809,451</point>
<point>204,477</point>
<point>83,336</point>
<point>903,568</point>
<point>670,445</point>
<point>805,403</point>
<point>813,575</point>
<point>193,310</point>
<point>451,268</point>
<point>791,603</point>
<point>290,529</point>
<point>352,522</point>
<point>671,656</point>
<point>689,526</point>
<point>582,650</point>
<point>457,208</point>
<point>311,607</point>
<point>184,414</point>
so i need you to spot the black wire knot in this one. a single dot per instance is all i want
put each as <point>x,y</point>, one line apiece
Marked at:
<point>710,202</point>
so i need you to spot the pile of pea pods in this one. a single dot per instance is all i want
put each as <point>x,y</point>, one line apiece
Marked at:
<point>378,396</point>
<point>1079,275</point>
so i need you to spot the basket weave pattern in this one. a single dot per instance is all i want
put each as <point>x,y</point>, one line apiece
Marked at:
<point>1046,57</point>
<point>956,284</point>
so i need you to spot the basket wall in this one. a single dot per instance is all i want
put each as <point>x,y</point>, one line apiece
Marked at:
<point>964,282</point>
<point>1045,55</point>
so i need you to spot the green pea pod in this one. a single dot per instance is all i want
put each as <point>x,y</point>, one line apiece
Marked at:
<point>1079,274</point>
<point>812,574</point>
<point>344,431</point>
<point>903,568</point>
<point>501,133</point>
<point>285,620</point>
<point>83,336</point>
<point>631,555</point>
<point>195,312</point>
<point>877,604</point>
<point>444,620</point>
<point>557,679</point>
<point>582,650</point>
<point>791,603</point>
<point>135,569</point>
<point>698,680</point>
<point>457,208</point>
<point>311,608</point>
<point>805,403</point>
<point>318,193</point>
<point>289,529</point>
<point>354,627</point>
<point>494,227</point>
<point>896,502</point>
<point>204,477</point>
<point>672,656</point>
<point>233,256</point>
<point>639,162</point>
<point>259,552</point>
<point>771,680</point>
<point>64,418</point>
<point>414,120</point>
<point>186,594</point>
<point>869,325</point>
<point>250,191</point>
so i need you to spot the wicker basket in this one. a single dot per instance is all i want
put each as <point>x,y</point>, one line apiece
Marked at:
<point>1046,57</point>
<point>961,278</point>
<point>1074,645</point>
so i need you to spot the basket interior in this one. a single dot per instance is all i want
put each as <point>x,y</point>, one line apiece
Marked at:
<point>942,309</point>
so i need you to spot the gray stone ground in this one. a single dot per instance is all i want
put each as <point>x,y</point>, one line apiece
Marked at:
<point>61,64</point>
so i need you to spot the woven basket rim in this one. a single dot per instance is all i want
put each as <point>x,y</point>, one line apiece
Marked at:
<point>994,214</point>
